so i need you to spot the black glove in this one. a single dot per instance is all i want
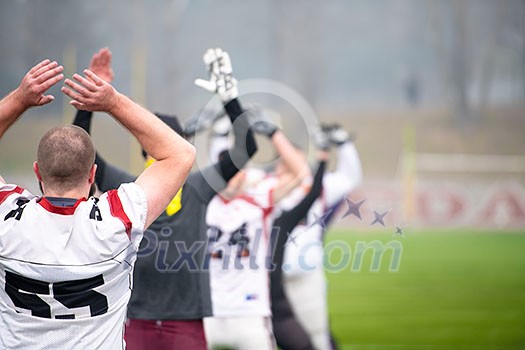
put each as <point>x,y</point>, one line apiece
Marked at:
<point>260,122</point>
<point>336,134</point>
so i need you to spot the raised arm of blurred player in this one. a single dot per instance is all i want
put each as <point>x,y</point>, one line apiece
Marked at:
<point>222,82</point>
<point>29,93</point>
<point>159,182</point>
<point>348,174</point>
<point>291,157</point>
<point>288,331</point>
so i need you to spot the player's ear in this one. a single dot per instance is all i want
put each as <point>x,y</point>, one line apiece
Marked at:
<point>92,173</point>
<point>37,171</point>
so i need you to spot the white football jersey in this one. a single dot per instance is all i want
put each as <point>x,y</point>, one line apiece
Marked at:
<point>66,272</point>
<point>305,251</point>
<point>238,249</point>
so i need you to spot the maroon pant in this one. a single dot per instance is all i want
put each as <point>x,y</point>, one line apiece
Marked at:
<point>164,335</point>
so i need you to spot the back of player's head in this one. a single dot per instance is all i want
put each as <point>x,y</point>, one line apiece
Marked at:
<point>65,156</point>
<point>170,120</point>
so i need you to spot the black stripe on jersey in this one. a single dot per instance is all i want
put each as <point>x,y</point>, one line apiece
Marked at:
<point>70,265</point>
<point>65,317</point>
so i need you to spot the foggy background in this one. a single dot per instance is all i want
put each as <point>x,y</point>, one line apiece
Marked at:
<point>434,91</point>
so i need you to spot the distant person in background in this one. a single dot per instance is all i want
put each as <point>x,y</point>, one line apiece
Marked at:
<point>289,332</point>
<point>304,278</point>
<point>171,297</point>
<point>67,258</point>
<point>239,220</point>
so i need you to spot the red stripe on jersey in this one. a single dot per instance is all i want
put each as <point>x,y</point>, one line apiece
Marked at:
<point>267,211</point>
<point>47,205</point>
<point>5,194</point>
<point>116,209</point>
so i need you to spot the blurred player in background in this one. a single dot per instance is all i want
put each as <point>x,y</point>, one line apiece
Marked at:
<point>66,262</point>
<point>240,225</point>
<point>171,296</point>
<point>289,332</point>
<point>304,278</point>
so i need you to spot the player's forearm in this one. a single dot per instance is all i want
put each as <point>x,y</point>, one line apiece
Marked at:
<point>174,156</point>
<point>349,164</point>
<point>11,108</point>
<point>291,157</point>
<point>244,145</point>
<point>244,139</point>
<point>294,216</point>
<point>234,109</point>
<point>157,139</point>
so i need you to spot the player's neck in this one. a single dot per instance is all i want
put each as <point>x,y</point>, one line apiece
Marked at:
<point>74,193</point>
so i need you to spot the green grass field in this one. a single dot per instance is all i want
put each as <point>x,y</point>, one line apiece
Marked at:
<point>453,290</point>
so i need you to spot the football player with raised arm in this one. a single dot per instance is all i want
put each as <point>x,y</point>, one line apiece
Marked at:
<point>240,220</point>
<point>171,294</point>
<point>66,258</point>
<point>304,279</point>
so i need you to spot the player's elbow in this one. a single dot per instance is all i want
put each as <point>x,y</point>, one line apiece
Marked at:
<point>187,158</point>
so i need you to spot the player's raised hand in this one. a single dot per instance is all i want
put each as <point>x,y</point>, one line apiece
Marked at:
<point>320,138</point>
<point>101,65</point>
<point>37,81</point>
<point>220,71</point>
<point>337,134</point>
<point>90,93</point>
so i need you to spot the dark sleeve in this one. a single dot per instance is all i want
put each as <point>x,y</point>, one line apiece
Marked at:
<point>289,332</point>
<point>110,177</point>
<point>244,147</point>
<point>107,176</point>
<point>212,179</point>
<point>289,219</point>
<point>283,225</point>
<point>83,120</point>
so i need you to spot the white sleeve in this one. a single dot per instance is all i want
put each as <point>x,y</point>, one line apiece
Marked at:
<point>347,176</point>
<point>217,145</point>
<point>129,204</point>
<point>9,195</point>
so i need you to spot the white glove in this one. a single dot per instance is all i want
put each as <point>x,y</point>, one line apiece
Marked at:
<point>220,71</point>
